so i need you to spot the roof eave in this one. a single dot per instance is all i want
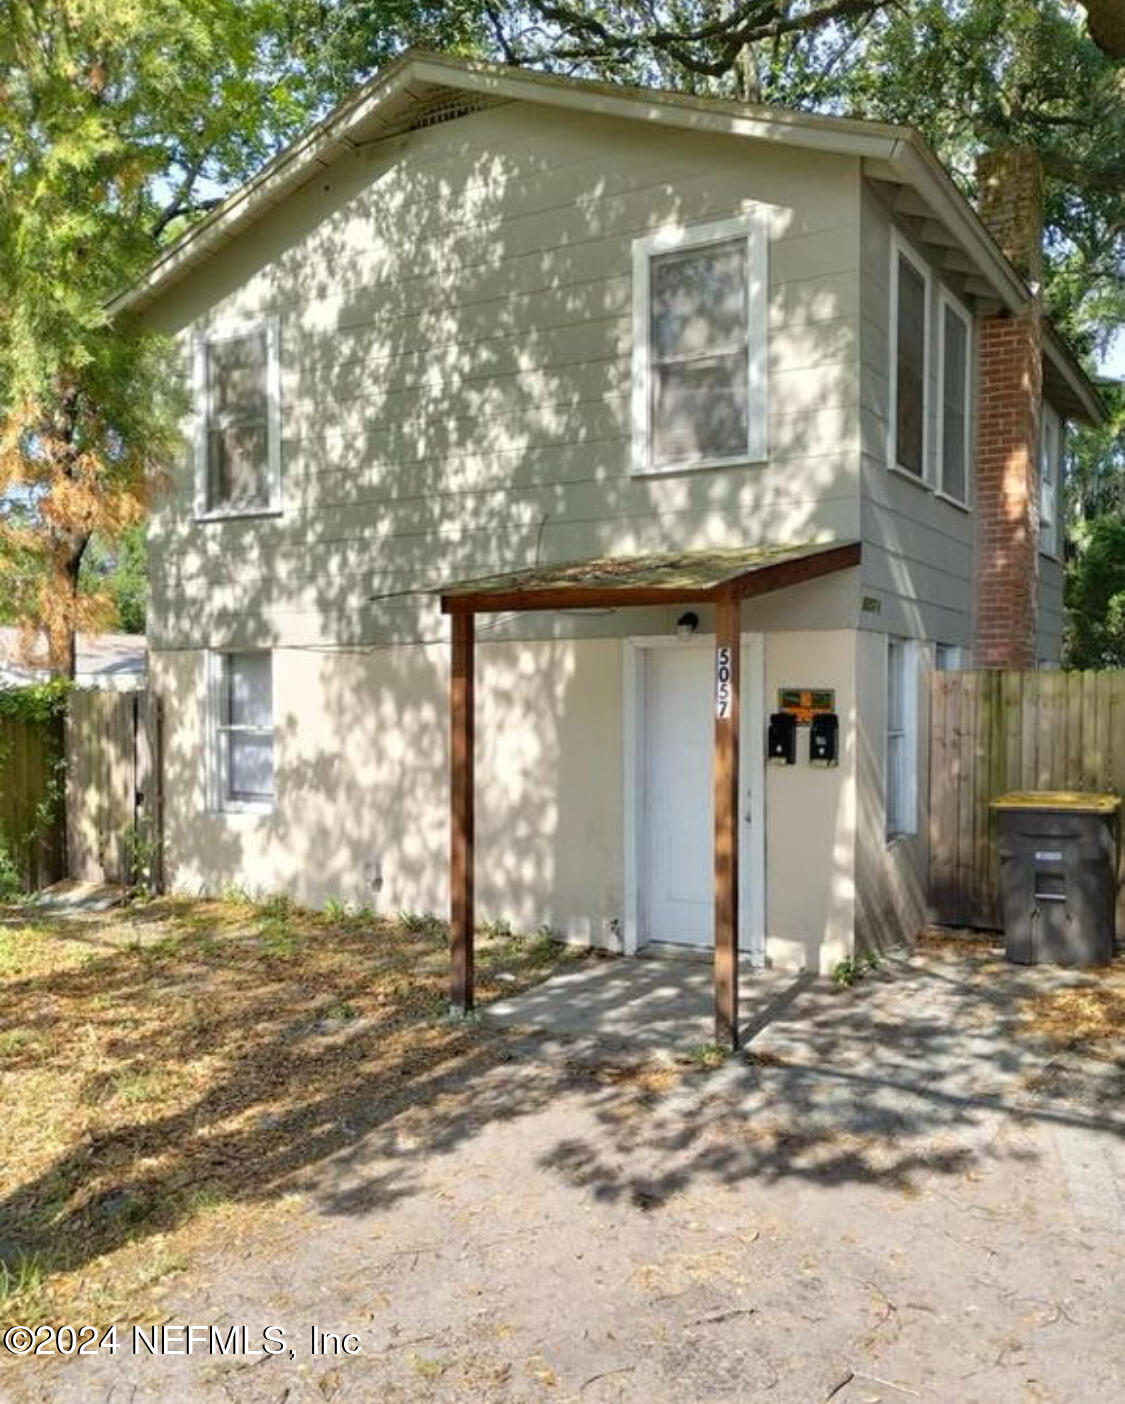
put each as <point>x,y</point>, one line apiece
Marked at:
<point>917,166</point>
<point>1073,392</point>
<point>335,136</point>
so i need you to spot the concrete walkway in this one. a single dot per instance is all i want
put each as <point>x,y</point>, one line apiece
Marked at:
<point>900,1191</point>
<point>647,1004</point>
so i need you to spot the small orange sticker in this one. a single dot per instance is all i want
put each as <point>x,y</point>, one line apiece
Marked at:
<point>804,703</point>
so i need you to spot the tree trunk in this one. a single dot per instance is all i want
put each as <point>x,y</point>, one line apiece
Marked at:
<point>1106,22</point>
<point>72,566</point>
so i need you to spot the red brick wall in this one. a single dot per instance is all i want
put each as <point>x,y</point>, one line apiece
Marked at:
<point>1007,508</point>
<point>1010,192</point>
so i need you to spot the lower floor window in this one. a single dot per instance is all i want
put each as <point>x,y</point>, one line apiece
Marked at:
<point>948,657</point>
<point>901,788</point>
<point>243,709</point>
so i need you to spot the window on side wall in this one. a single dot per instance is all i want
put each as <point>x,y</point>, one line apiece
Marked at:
<point>948,658</point>
<point>953,425</point>
<point>238,442</point>
<point>900,775</point>
<point>241,704</point>
<point>699,347</point>
<point>910,330</point>
<point>1050,436</point>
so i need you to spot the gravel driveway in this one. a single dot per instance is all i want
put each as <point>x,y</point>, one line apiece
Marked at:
<point>902,1191</point>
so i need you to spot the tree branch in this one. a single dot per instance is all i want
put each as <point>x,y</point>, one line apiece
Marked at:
<point>747,23</point>
<point>1110,179</point>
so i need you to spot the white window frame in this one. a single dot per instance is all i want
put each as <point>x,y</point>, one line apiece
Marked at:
<point>210,336</point>
<point>217,774</point>
<point>1050,438</point>
<point>900,248</point>
<point>908,798</point>
<point>947,300</point>
<point>751,226</point>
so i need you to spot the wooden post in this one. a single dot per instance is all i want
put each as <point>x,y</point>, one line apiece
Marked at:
<point>461,838</point>
<point>726,820</point>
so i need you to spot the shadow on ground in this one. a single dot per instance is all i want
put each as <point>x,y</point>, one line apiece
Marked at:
<point>208,1058</point>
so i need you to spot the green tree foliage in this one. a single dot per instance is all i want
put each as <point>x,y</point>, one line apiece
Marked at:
<point>1095,596</point>
<point>118,569</point>
<point>119,120</point>
<point>123,120</point>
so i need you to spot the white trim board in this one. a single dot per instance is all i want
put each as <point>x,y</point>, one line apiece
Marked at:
<point>752,788</point>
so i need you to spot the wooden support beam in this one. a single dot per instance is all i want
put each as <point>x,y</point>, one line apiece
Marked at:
<point>461,708</point>
<point>726,820</point>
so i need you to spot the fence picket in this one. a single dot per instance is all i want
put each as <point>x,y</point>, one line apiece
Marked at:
<point>998,731</point>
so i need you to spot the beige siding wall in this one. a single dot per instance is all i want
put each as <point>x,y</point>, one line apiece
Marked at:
<point>917,548</point>
<point>361,759</point>
<point>362,789</point>
<point>456,324</point>
<point>811,813</point>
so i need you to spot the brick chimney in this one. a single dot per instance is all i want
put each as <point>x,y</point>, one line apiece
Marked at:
<point>1010,182</point>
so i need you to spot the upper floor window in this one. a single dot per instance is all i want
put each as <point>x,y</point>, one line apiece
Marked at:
<point>910,337</point>
<point>1050,439</point>
<point>953,426</point>
<point>241,724</point>
<point>699,346</point>
<point>238,443</point>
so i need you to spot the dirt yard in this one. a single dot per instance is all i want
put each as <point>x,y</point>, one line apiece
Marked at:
<point>220,1116</point>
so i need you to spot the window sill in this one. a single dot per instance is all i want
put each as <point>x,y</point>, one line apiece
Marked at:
<point>1051,556</point>
<point>239,514</point>
<point>919,482</point>
<point>667,470</point>
<point>233,809</point>
<point>953,501</point>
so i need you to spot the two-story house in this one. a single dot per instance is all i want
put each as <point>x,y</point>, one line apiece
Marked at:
<point>480,323</point>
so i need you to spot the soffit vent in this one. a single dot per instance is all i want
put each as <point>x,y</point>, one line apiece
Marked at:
<point>446,105</point>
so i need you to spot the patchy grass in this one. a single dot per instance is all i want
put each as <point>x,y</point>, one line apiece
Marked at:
<point>169,1073</point>
<point>959,943</point>
<point>1081,1015</point>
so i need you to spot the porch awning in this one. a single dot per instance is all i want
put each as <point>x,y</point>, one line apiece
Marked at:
<point>663,578</point>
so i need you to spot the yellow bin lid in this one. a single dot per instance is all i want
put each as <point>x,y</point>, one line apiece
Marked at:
<point>1069,801</point>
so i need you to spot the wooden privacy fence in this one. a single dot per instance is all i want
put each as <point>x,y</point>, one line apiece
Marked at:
<point>997,731</point>
<point>32,816</point>
<point>113,796</point>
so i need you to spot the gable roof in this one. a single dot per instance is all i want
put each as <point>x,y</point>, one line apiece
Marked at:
<point>421,89</point>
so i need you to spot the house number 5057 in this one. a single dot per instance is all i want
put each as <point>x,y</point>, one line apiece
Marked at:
<point>722,683</point>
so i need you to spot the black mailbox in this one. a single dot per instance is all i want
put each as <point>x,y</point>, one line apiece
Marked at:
<point>782,739</point>
<point>824,739</point>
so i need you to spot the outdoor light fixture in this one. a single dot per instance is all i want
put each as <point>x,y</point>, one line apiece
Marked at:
<point>687,624</point>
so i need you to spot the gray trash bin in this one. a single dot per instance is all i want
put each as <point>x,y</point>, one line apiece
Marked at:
<point>1058,872</point>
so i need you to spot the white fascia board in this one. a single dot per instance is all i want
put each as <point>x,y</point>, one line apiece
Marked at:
<point>319,148</point>
<point>837,135</point>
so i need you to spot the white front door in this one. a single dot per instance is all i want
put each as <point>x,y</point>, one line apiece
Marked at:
<point>669,834</point>
<point>679,729</point>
